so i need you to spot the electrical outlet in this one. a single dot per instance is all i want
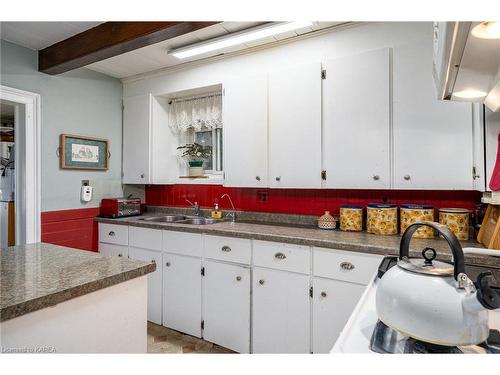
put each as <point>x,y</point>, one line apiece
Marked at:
<point>262,196</point>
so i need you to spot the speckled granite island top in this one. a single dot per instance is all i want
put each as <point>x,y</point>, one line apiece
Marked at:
<point>40,275</point>
<point>310,236</point>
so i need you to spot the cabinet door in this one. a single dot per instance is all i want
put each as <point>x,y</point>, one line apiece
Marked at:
<point>333,303</point>
<point>154,281</point>
<point>226,305</point>
<point>182,293</point>
<point>245,131</point>
<point>432,138</point>
<point>111,250</point>
<point>136,139</point>
<point>295,127</point>
<point>281,312</point>
<point>356,121</point>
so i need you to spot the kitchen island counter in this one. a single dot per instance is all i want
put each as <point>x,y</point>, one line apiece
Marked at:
<point>40,275</point>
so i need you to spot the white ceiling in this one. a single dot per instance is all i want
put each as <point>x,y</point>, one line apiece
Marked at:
<point>155,56</point>
<point>38,35</point>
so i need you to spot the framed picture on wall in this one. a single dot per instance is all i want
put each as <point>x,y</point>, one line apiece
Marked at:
<point>81,152</point>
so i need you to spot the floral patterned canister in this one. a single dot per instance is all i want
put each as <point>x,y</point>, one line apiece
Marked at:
<point>413,213</point>
<point>351,218</point>
<point>382,218</point>
<point>457,219</point>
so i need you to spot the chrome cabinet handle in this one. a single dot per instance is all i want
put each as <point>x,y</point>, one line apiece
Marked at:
<point>347,266</point>
<point>167,264</point>
<point>257,178</point>
<point>323,294</point>
<point>280,256</point>
<point>261,282</point>
<point>111,233</point>
<point>238,278</point>
<point>226,249</point>
<point>278,178</point>
<point>376,177</point>
<point>407,177</point>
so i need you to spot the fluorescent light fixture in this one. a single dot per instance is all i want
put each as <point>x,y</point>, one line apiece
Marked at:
<point>487,30</point>
<point>238,38</point>
<point>470,94</point>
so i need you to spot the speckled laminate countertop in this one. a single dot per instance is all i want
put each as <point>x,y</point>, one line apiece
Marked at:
<point>40,275</point>
<point>336,239</point>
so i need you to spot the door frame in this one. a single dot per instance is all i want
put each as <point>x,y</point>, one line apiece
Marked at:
<point>30,190</point>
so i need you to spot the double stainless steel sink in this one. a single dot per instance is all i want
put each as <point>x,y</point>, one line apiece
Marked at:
<point>181,219</point>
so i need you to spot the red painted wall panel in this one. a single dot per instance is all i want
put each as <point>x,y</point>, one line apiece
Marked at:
<point>73,228</point>
<point>301,201</point>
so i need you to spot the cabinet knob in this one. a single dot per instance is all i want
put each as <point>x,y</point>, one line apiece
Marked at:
<point>238,278</point>
<point>376,177</point>
<point>111,233</point>
<point>120,255</point>
<point>226,249</point>
<point>261,282</point>
<point>167,264</point>
<point>278,178</point>
<point>323,294</point>
<point>280,256</point>
<point>257,178</point>
<point>406,177</point>
<point>142,175</point>
<point>347,266</point>
<point>153,261</point>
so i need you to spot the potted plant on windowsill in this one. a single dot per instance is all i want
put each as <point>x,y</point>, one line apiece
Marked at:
<point>194,153</point>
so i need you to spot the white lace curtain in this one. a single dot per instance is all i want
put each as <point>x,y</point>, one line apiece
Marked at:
<point>196,113</point>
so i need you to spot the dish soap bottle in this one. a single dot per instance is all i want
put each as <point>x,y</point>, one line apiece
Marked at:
<point>216,213</point>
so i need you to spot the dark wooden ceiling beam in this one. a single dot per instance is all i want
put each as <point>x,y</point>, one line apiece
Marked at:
<point>107,40</point>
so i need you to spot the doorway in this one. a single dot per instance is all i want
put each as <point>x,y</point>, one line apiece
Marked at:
<point>21,165</point>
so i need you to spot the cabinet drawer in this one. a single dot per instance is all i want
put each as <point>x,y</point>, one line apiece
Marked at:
<point>230,249</point>
<point>294,258</point>
<point>182,243</point>
<point>344,265</point>
<point>110,233</point>
<point>110,250</point>
<point>145,238</point>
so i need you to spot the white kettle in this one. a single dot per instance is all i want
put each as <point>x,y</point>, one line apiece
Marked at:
<point>433,301</point>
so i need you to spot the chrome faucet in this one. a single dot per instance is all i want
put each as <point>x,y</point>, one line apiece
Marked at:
<point>232,215</point>
<point>195,206</point>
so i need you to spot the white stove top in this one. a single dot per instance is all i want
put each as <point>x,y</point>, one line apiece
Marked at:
<point>357,333</point>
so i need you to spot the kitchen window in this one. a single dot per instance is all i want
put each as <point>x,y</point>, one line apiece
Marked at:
<point>198,119</point>
<point>211,138</point>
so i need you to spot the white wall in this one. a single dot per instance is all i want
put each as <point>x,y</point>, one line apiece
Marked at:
<point>78,102</point>
<point>331,45</point>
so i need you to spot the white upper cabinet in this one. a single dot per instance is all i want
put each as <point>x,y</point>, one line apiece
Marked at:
<point>356,121</point>
<point>295,127</point>
<point>149,146</point>
<point>245,131</point>
<point>136,139</point>
<point>433,144</point>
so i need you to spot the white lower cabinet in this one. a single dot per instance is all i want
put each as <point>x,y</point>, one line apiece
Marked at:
<point>333,303</point>
<point>111,250</point>
<point>226,305</point>
<point>154,281</point>
<point>281,312</point>
<point>182,293</point>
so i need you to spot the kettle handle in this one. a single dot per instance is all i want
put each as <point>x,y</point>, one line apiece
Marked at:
<point>456,248</point>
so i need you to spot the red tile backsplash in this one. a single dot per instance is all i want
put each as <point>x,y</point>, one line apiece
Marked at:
<point>302,201</point>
